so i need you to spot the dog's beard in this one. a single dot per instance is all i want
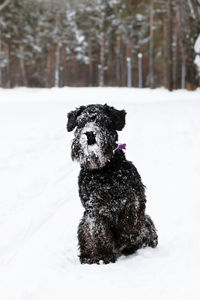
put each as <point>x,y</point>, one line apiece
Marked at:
<point>93,156</point>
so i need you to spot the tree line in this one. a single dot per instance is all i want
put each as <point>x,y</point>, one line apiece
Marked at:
<point>99,43</point>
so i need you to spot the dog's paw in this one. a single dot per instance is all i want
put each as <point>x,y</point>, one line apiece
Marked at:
<point>154,243</point>
<point>98,260</point>
<point>85,260</point>
<point>109,259</point>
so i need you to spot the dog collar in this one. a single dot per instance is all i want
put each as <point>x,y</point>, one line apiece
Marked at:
<point>120,146</point>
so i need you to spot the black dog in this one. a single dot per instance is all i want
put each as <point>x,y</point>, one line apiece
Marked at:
<point>110,188</point>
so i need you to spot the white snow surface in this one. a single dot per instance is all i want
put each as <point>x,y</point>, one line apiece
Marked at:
<point>40,208</point>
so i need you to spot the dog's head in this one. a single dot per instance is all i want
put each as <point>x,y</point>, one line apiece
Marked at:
<point>95,134</point>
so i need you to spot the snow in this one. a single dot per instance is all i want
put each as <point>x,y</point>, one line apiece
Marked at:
<point>91,151</point>
<point>197,50</point>
<point>40,208</point>
<point>191,9</point>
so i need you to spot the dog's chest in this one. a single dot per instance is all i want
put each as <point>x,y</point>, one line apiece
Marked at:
<point>110,190</point>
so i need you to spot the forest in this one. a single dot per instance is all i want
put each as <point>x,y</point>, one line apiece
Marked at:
<point>134,43</point>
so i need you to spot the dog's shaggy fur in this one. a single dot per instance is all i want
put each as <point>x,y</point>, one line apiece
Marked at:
<point>110,188</point>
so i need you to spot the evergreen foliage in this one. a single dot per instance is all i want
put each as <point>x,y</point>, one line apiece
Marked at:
<point>86,43</point>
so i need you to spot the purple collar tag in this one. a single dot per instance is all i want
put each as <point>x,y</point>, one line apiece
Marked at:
<point>122,146</point>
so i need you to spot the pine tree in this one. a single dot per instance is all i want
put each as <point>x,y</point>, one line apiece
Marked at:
<point>57,42</point>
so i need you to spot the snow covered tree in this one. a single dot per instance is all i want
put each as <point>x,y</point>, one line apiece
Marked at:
<point>48,43</point>
<point>188,28</point>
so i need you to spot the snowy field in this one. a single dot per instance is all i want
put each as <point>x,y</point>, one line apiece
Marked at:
<point>40,208</point>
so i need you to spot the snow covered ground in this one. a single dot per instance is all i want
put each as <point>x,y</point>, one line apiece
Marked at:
<point>40,208</point>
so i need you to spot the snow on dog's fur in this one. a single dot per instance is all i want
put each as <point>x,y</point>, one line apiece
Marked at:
<point>110,188</point>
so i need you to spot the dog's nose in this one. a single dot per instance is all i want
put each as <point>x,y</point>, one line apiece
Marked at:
<point>90,137</point>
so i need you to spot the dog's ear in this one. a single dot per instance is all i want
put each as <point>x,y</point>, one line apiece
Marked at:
<point>117,117</point>
<point>72,117</point>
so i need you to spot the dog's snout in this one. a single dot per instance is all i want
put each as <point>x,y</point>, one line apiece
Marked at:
<point>90,137</point>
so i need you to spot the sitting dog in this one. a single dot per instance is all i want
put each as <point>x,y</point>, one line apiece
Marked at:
<point>110,188</point>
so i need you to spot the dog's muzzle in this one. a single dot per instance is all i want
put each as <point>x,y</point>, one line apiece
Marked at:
<point>90,137</point>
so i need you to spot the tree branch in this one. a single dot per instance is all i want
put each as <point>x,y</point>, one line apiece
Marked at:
<point>6,2</point>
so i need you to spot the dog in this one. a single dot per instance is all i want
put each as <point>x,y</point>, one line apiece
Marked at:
<point>110,188</point>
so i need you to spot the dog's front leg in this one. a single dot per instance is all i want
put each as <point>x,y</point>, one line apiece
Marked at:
<point>95,240</point>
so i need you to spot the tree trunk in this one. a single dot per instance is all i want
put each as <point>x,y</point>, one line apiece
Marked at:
<point>165,50</point>
<point>91,82</point>
<point>49,69</point>
<point>187,48</point>
<point>22,67</point>
<point>151,47</point>
<point>118,62</point>
<point>101,67</point>
<point>128,60</point>
<point>175,56</point>
<point>57,63</point>
<point>0,63</point>
<point>169,46</point>
<point>8,83</point>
